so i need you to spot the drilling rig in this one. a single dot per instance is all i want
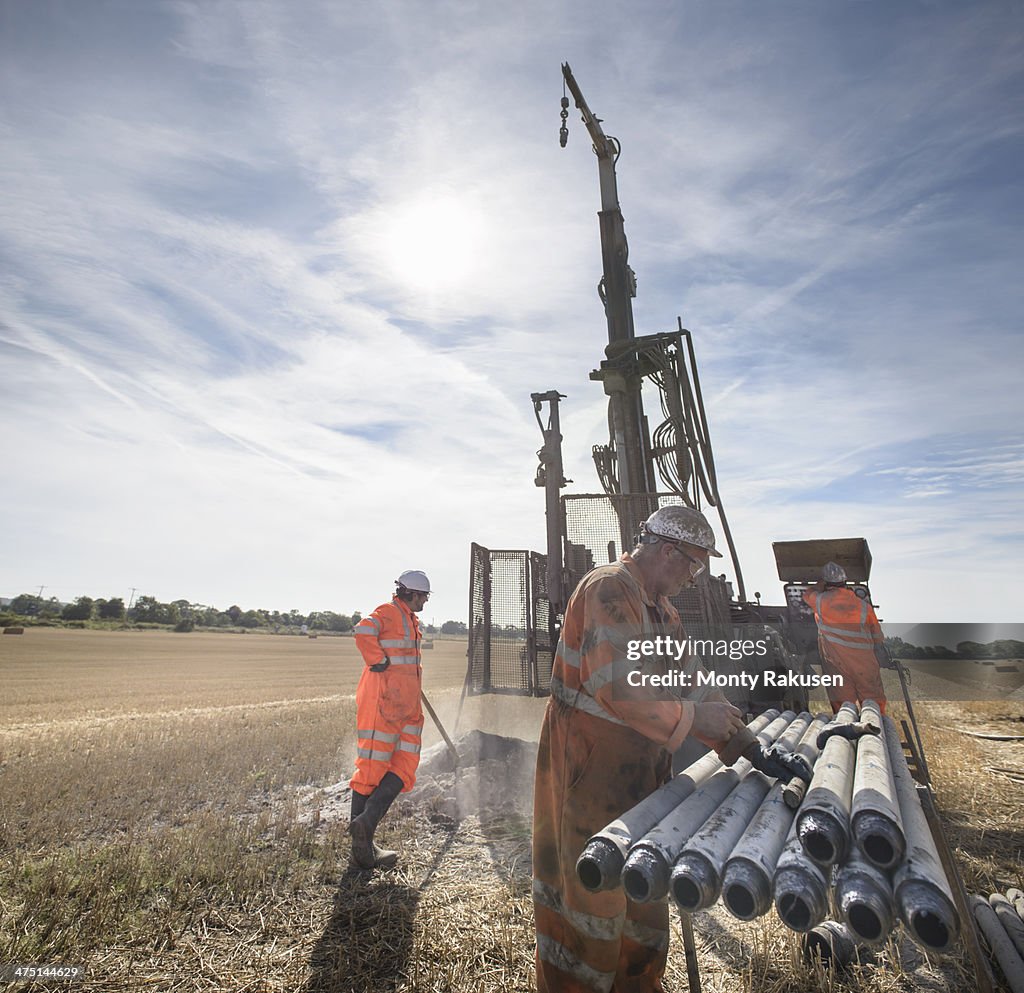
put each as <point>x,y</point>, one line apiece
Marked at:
<point>517,597</point>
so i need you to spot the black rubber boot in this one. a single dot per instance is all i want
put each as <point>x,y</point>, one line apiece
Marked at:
<point>358,804</point>
<point>365,853</point>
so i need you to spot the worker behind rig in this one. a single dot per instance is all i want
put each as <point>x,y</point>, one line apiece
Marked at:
<point>604,746</point>
<point>389,714</point>
<point>850,641</point>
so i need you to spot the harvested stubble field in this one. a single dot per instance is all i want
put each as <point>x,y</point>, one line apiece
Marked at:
<point>170,819</point>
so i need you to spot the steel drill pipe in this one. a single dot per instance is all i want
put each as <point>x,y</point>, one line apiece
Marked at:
<point>923,897</point>
<point>823,821</point>
<point>863,896</point>
<point>697,875</point>
<point>998,940</point>
<point>808,749</point>
<point>647,872</point>
<point>799,887</point>
<point>833,943</point>
<point>599,866</point>
<point>1010,919</point>
<point>747,875</point>
<point>875,819</point>
<point>696,880</point>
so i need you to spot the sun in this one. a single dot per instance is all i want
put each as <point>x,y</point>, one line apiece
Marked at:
<point>432,243</point>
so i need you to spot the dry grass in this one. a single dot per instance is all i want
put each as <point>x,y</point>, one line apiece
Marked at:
<point>158,824</point>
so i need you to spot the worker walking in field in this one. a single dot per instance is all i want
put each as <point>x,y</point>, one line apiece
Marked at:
<point>604,746</point>
<point>850,640</point>
<point>389,714</point>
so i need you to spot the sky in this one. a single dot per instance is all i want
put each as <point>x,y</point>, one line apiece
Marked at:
<point>278,278</point>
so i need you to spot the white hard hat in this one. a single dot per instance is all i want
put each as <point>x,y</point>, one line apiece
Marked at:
<point>413,579</point>
<point>679,523</point>
<point>832,572</point>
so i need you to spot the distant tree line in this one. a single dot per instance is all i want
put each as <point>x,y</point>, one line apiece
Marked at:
<point>1003,648</point>
<point>178,613</point>
<point>183,615</point>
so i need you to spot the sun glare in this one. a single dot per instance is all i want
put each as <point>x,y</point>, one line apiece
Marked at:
<point>433,243</point>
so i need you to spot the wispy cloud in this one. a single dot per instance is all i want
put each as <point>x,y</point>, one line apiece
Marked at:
<point>279,279</point>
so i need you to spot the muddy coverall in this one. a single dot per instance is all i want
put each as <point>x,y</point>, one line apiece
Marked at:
<point>849,643</point>
<point>389,714</point>
<point>604,746</point>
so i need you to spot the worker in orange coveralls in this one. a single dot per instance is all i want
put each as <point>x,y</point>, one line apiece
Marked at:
<point>389,714</point>
<point>850,641</point>
<point>605,746</point>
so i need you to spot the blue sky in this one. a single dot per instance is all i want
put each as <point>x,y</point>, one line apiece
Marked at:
<point>277,280</point>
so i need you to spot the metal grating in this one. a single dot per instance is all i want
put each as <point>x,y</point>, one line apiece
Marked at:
<point>508,651</point>
<point>599,527</point>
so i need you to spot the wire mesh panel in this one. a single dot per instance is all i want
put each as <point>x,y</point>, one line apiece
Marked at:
<point>543,628</point>
<point>599,528</point>
<point>506,589</point>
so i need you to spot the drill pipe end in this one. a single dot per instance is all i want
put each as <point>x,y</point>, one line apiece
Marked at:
<point>645,876</point>
<point>929,915</point>
<point>746,891</point>
<point>880,840</point>
<point>599,866</point>
<point>801,900</point>
<point>823,838</point>
<point>865,908</point>
<point>695,884</point>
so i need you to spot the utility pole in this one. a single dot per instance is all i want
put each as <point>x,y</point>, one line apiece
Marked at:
<point>131,599</point>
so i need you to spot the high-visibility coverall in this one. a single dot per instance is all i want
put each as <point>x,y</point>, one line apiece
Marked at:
<point>389,714</point>
<point>849,637</point>
<point>604,746</point>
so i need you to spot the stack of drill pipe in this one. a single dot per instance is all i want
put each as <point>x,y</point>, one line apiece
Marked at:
<point>646,874</point>
<point>823,821</point>
<point>599,867</point>
<point>697,876</point>
<point>999,941</point>
<point>923,898</point>
<point>875,819</point>
<point>747,876</point>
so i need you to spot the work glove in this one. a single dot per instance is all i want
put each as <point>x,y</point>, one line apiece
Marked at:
<point>779,763</point>
<point>772,760</point>
<point>381,665</point>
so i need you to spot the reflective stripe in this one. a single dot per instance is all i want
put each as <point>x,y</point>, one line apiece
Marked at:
<point>409,746</point>
<point>368,753</point>
<point>833,639</point>
<point>556,954</point>
<point>376,735</point>
<point>618,636</point>
<point>644,934</point>
<point>602,928</point>
<point>614,671</point>
<point>416,729</point>
<point>405,660</point>
<point>397,643</point>
<point>848,631</point>
<point>570,656</point>
<point>405,617</point>
<point>581,701</point>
